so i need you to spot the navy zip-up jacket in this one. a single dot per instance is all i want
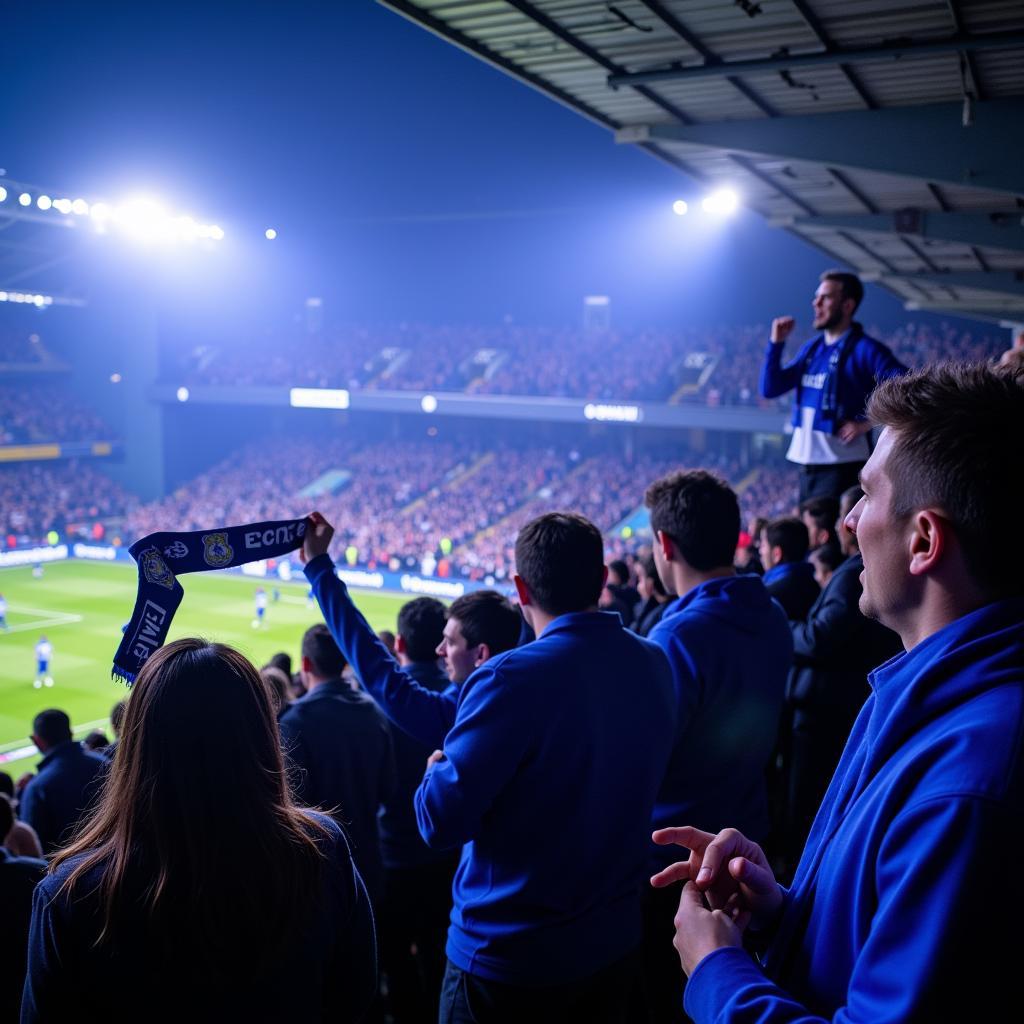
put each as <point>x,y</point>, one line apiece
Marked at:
<point>730,649</point>
<point>868,363</point>
<point>549,779</point>
<point>906,905</point>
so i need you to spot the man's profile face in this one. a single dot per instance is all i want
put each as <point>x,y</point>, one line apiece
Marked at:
<point>459,659</point>
<point>828,305</point>
<point>882,540</point>
<point>764,549</point>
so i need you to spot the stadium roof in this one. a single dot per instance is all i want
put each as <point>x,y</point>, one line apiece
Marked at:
<point>888,133</point>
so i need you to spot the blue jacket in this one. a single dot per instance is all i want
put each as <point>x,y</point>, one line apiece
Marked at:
<point>730,649</point>
<point>329,974</point>
<point>867,363</point>
<point>53,802</point>
<point>549,779</point>
<point>424,713</point>
<point>793,585</point>
<point>906,906</point>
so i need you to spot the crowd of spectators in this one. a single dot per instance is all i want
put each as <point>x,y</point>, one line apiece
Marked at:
<point>40,412</point>
<point>22,347</point>
<point>69,497</point>
<point>636,365</point>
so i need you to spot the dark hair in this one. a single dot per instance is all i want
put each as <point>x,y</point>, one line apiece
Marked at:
<point>560,557</point>
<point>277,686</point>
<point>6,816</point>
<point>6,784</point>
<point>851,285</point>
<point>52,726</point>
<point>620,569</point>
<point>823,511</point>
<point>387,638</point>
<point>421,625</point>
<point>650,570</point>
<point>487,617</point>
<point>117,716</point>
<point>701,514</point>
<point>96,740</point>
<point>849,498</point>
<point>956,439</point>
<point>829,555</point>
<point>789,534</point>
<point>319,646</point>
<point>195,828</point>
<point>283,661</point>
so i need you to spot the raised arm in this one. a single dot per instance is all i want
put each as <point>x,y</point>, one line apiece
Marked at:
<point>777,379</point>
<point>424,714</point>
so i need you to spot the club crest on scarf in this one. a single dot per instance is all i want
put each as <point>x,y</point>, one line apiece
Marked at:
<point>156,570</point>
<point>217,552</point>
<point>176,550</point>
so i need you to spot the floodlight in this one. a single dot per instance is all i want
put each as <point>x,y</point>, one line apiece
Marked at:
<point>271,234</point>
<point>182,394</point>
<point>723,201</point>
<point>100,211</point>
<point>680,207</point>
<point>80,207</point>
<point>115,378</point>
<point>216,233</point>
<point>25,199</point>
<point>44,202</point>
<point>63,205</point>
<point>428,403</point>
<point>3,193</point>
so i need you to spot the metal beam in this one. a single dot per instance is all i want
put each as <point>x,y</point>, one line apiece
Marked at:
<point>991,230</point>
<point>927,142</point>
<point>1006,283</point>
<point>958,43</point>
<point>1004,316</point>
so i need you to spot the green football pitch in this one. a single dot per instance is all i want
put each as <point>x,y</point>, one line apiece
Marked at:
<point>81,606</point>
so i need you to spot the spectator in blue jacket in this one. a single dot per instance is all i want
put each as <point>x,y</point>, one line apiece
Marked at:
<point>558,749</point>
<point>905,906</point>
<point>729,647</point>
<point>198,890</point>
<point>57,796</point>
<point>833,375</point>
<point>788,577</point>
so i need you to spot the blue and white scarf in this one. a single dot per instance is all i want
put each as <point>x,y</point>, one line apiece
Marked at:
<point>162,557</point>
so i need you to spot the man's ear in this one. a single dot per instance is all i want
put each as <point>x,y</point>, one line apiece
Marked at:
<point>305,665</point>
<point>483,653</point>
<point>523,591</point>
<point>928,542</point>
<point>668,548</point>
<point>776,553</point>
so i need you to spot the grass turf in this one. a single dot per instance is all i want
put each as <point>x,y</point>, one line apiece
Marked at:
<point>81,607</point>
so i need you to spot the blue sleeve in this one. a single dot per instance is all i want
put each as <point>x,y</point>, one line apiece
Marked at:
<point>940,944</point>
<point>777,379</point>
<point>424,714</point>
<point>46,996</point>
<point>686,684</point>
<point>32,811</point>
<point>482,752</point>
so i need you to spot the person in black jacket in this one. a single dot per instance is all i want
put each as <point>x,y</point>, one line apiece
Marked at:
<point>339,746</point>
<point>834,649</point>
<point>654,598</point>
<point>789,577</point>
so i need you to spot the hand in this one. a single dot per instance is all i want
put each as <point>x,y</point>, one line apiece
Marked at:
<point>317,538</point>
<point>701,930</point>
<point>782,328</point>
<point>435,757</point>
<point>851,430</point>
<point>731,871</point>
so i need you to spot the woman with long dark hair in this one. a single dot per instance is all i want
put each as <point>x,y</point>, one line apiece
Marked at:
<point>196,889</point>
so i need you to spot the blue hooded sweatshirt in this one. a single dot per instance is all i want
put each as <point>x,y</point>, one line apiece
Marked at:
<point>549,778</point>
<point>730,648</point>
<point>906,905</point>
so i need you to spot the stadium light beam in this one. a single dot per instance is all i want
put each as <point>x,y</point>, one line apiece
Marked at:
<point>722,202</point>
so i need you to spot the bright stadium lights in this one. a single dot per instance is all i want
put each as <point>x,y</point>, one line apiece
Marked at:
<point>147,220</point>
<point>27,298</point>
<point>100,211</point>
<point>80,207</point>
<point>722,202</point>
<point>428,403</point>
<point>270,234</point>
<point>679,207</point>
<point>216,233</point>
<point>115,378</point>
<point>62,205</point>
<point>25,199</point>
<point>44,202</point>
<point>318,398</point>
<point>182,394</point>
<point>3,193</point>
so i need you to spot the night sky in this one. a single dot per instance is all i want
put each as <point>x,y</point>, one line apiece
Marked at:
<point>407,180</point>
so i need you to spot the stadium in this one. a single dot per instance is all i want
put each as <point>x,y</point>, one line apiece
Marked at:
<point>516,298</point>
